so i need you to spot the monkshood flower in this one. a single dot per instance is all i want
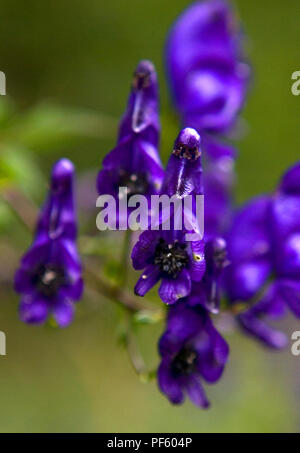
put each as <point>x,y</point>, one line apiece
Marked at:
<point>205,66</point>
<point>218,182</point>
<point>207,292</point>
<point>191,349</point>
<point>264,250</point>
<point>166,254</point>
<point>134,163</point>
<point>49,276</point>
<point>209,80</point>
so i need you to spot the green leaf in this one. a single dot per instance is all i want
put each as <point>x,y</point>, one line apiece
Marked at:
<point>6,217</point>
<point>6,110</point>
<point>47,126</point>
<point>17,168</point>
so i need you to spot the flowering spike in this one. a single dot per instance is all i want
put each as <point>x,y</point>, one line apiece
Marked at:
<point>144,100</point>
<point>49,276</point>
<point>205,67</point>
<point>57,216</point>
<point>134,163</point>
<point>209,81</point>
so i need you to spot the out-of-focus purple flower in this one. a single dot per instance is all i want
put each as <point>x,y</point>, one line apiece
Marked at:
<point>191,349</point>
<point>209,80</point>
<point>49,276</point>
<point>205,66</point>
<point>207,292</point>
<point>134,163</point>
<point>264,250</point>
<point>165,254</point>
<point>218,182</point>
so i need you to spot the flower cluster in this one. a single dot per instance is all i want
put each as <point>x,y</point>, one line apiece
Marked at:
<point>250,256</point>
<point>264,249</point>
<point>49,277</point>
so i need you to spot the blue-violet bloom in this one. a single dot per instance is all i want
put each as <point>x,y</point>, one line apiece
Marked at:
<point>264,250</point>
<point>209,79</point>
<point>166,254</point>
<point>205,66</point>
<point>208,291</point>
<point>191,349</point>
<point>134,163</point>
<point>49,278</point>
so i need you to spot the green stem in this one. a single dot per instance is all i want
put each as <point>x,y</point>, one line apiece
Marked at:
<point>124,257</point>
<point>22,206</point>
<point>135,357</point>
<point>117,294</point>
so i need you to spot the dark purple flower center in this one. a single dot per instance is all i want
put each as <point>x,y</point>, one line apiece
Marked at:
<point>136,183</point>
<point>49,279</point>
<point>141,79</point>
<point>171,258</point>
<point>184,363</point>
<point>184,152</point>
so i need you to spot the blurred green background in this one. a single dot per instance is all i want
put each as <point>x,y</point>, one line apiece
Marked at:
<point>68,66</point>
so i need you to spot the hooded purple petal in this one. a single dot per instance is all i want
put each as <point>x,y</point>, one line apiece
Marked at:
<point>184,170</point>
<point>51,269</point>
<point>253,320</point>
<point>147,280</point>
<point>168,385</point>
<point>33,309</point>
<point>134,162</point>
<point>63,312</point>
<point>196,393</point>
<point>173,289</point>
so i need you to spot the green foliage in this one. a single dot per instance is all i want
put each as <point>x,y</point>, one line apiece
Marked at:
<point>45,127</point>
<point>41,129</point>
<point>19,169</point>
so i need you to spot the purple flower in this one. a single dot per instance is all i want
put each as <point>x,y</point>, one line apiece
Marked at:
<point>218,182</point>
<point>209,80</point>
<point>49,276</point>
<point>134,163</point>
<point>204,63</point>
<point>183,175</point>
<point>191,349</point>
<point>165,254</point>
<point>207,292</point>
<point>264,249</point>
